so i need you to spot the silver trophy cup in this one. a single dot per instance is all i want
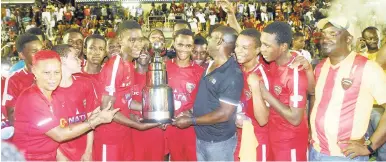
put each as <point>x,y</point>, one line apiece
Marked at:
<point>157,96</point>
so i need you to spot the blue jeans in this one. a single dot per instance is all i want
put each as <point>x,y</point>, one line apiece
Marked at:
<point>216,151</point>
<point>376,115</point>
<point>317,156</point>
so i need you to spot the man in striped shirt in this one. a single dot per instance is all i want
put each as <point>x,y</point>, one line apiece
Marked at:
<point>346,85</point>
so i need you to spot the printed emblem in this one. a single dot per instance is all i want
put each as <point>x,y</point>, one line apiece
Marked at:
<point>346,83</point>
<point>190,87</point>
<point>79,117</point>
<point>212,80</point>
<point>248,94</point>
<point>63,123</point>
<point>277,90</point>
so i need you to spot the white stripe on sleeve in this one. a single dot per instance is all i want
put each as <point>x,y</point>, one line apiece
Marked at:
<point>293,155</point>
<point>111,88</point>
<point>296,87</point>
<point>5,93</point>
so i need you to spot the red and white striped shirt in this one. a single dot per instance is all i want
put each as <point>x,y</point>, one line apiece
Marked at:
<point>344,96</point>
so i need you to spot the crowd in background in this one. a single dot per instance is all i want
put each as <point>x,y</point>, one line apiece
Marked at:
<point>103,19</point>
<point>91,31</point>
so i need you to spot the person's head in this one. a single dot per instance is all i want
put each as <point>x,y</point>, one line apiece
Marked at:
<point>180,24</point>
<point>46,66</point>
<point>337,36</point>
<point>74,38</point>
<point>144,57</point>
<point>27,45</point>
<point>222,41</point>
<point>95,48</point>
<point>214,27</point>
<point>200,54</point>
<point>157,35</point>
<point>130,38</point>
<point>247,45</point>
<point>69,58</point>
<point>371,36</point>
<point>298,40</point>
<point>183,43</point>
<point>38,32</point>
<point>113,46</point>
<point>275,39</point>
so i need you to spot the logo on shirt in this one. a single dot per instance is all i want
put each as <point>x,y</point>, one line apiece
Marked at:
<point>190,87</point>
<point>346,83</point>
<point>277,90</point>
<point>212,80</point>
<point>63,122</point>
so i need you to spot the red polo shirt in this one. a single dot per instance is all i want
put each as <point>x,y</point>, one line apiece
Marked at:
<point>33,118</point>
<point>76,101</point>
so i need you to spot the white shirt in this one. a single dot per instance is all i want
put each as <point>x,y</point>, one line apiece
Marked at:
<point>240,8</point>
<point>212,19</point>
<point>189,13</point>
<point>8,12</point>
<point>104,11</point>
<point>252,8</point>
<point>201,17</point>
<point>263,9</point>
<point>193,24</point>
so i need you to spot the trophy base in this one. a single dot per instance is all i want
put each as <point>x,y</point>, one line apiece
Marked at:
<point>162,121</point>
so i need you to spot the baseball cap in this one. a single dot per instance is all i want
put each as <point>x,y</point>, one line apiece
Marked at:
<point>338,22</point>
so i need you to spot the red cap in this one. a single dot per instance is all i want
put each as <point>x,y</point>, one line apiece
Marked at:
<point>45,55</point>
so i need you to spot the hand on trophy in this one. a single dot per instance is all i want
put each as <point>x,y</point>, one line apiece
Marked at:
<point>183,122</point>
<point>146,126</point>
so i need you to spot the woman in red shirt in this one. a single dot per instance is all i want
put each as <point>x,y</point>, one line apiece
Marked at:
<point>38,130</point>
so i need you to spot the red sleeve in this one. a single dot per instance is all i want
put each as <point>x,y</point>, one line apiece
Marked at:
<point>10,93</point>
<point>298,89</point>
<point>111,76</point>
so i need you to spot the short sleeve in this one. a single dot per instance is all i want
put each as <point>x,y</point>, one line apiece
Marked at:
<point>298,89</point>
<point>231,88</point>
<point>376,80</point>
<point>10,93</point>
<point>111,76</point>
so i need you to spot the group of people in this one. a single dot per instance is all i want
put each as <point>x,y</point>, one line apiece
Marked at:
<point>239,94</point>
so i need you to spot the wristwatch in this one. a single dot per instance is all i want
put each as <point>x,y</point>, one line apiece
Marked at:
<point>368,144</point>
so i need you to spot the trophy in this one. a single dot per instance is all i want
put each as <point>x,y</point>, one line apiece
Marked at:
<point>157,96</point>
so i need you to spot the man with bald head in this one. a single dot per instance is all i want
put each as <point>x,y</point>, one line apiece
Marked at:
<point>370,37</point>
<point>218,96</point>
